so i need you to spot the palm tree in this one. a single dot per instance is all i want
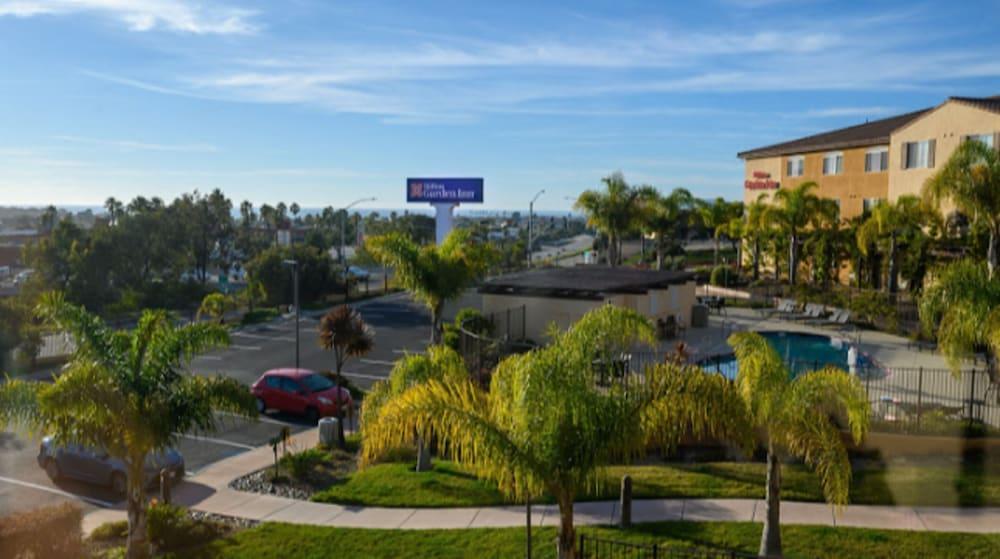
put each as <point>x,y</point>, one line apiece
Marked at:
<point>888,224</point>
<point>962,307</point>
<point>664,215</point>
<point>440,363</point>
<point>794,416</point>
<point>716,214</point>
<point>433,274</point>
<point>614,211</point>
<point>544,426</point>
<point>971,180</point>
<point>793,208</point>
<point>344,331</point>
<point>215,306</point>
<point>826,243</point>
<point>734,230</point>
<point>756,229</point>
<point>126,393</point>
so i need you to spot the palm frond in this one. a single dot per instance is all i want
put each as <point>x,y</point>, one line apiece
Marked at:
<point>762,378</point>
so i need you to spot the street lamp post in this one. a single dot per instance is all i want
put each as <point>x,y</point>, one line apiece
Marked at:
<point>343,234</point>
<point>531,223</point>
<point>295,289</point>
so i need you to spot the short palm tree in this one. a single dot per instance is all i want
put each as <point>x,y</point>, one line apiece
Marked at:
<point>793,209</point>
<point>346,333</point>
<point>440,363</point>
<point>971,180</point>
<point>962,307</point>
<point>794,416</point>
<point>826,244</point>
<point>614,211</point>
<point>889,224</point>
<point>126,393</point>
<point>664,215</point>
<point>433,274</point>
<point>544,426</point>
<point>756,228</point>
<point>215,306</point>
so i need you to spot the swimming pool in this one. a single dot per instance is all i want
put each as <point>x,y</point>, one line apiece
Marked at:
<point>801,351</point>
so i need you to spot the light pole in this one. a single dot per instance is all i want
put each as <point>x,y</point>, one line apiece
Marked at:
<point>343,233</point>
<point>295,289</point>
<point>531,222</point>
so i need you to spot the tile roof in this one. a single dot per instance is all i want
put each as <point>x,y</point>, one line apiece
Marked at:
<point>991,104</point>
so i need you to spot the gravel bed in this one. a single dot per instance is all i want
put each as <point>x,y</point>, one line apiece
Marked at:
<point>230,521</point>
<point>260,482</point>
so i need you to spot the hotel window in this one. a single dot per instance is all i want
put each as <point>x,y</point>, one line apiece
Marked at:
<point>795,166</point>
<point>833,163</point>
<point>919,155</point>
<point>877,160</point>
<point>984,138</point>
<point>869,204</point>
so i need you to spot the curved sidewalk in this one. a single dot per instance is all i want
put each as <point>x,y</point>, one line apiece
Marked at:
<point>209,491</point>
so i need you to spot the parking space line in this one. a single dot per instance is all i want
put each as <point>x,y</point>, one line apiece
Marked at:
<point>210,357</point>
<point>91,500</point>
<point>216,441</point>
<point>361,375</point>
<point>261,418</point>
<point>377,362</point>
<point>245,347</point>
<point>260,337</point>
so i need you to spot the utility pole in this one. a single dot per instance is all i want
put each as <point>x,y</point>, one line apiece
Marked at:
<point>343,234</point>
<point>531,224</point>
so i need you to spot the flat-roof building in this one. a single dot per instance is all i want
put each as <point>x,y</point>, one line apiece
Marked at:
<point>879,160</point>
<point>563,295</point>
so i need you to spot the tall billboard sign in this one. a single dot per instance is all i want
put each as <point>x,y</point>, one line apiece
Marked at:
<point>469,190</point>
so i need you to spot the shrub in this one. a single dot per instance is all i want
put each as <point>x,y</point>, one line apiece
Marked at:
<point>722,276</point>
<point>49,532</point>
<point>171,528</point>
<point>301,464</point>
<point>257,316</point>
<point>110,531</point>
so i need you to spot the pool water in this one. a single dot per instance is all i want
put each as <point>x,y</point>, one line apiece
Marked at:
<point>801,352</point>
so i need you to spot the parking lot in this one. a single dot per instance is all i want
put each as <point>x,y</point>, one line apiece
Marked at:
<point>400,326</point>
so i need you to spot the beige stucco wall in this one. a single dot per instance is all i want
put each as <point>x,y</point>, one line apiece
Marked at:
<point>769,165</point>
<point>948,125</point>
<point>543,311</point>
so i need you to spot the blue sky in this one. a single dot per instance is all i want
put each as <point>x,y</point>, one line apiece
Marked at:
<point>325,101</point>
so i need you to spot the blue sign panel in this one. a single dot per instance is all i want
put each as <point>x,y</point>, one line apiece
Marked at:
<point>444,190</point>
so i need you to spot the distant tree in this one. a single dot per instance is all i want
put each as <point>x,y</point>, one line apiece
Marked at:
<point>664,216</point>
<point>971,180</point>
<point>756,228</point>
<point>614,211</point>
<point>316,273</point>
<point>798,416</point>
<point>792,210</point>
<point>215,306</point>
<point>127,393</point>
<point>890,224</point>
<point>716,216</point>
<point>344,331</point>
<point>209,230</point>
<point>433,274</point>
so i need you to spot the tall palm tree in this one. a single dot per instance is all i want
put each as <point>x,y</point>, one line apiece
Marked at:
<point>798,417</point>
<point>439,363</point>
<point>433,274</point>
<point>614,211</point>
<point>962,307</point>
<point>734,230</point>
<point>664,215</point>
<point>971,180</point>
<point>544,426</point>
<point>717,214</point>
<point>126,393</point>
<point>886,226</point>
<point>793,208</point>
<point>826,243</point>
<point>345,332</point>
<point>755,230</point>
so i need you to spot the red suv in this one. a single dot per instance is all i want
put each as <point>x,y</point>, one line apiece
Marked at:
<point>299,391</point>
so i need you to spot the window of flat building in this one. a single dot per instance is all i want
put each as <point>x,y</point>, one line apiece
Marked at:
<point>869,203</point>
<point>833,163</point>
<point>919,155</point>
<point>984,138</point>
<point>795,166</point>
<point>877,160</point>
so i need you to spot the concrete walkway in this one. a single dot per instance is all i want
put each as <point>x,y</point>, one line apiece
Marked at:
<point>209,491</point>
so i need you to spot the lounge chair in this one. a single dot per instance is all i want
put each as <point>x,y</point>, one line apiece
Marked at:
<point>784,307</point>
<point>811,312</point>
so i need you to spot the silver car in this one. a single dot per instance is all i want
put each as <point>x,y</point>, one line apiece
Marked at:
<point>97,467</point>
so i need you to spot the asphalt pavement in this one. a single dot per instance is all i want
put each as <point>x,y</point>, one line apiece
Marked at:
<point>400,326</point>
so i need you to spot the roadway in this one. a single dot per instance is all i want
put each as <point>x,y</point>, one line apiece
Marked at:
<point>400,326</point>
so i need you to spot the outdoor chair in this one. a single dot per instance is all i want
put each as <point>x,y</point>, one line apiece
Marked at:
<point>784,306</point>
<point>812,311</point>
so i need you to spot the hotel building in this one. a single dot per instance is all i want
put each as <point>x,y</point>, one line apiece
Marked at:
<point>880,160</point>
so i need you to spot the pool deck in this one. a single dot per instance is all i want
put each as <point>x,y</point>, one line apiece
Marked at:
<point>886,349</point>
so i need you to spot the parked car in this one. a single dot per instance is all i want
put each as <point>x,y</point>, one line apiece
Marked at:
<point>301,392</point>
<point>96,466</point>
<point>358,273</point>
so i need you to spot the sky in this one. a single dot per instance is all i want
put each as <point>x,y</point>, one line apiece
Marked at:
<point>322,102</point>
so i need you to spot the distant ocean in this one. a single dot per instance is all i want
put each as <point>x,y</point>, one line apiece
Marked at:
<point>365,211</point>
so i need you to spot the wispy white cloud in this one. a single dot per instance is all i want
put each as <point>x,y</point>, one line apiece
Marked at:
<point>200,18</point>
<point>837,112</point>
<point>131,145</point>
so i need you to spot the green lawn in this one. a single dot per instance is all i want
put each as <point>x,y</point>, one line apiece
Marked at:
<point>934,484</point>
<point>311,542</point>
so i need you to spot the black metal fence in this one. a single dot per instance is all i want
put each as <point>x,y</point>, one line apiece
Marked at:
<point>483,350</point>
<point>592,547</point>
